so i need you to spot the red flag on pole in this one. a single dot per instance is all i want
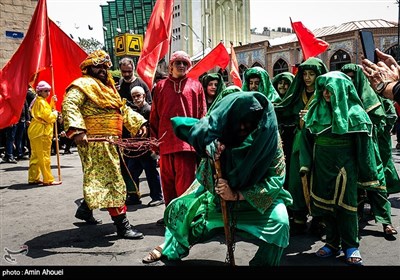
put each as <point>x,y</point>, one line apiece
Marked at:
<point>156,41</point>
<point>234,72</point>
<point>45,52</point>
<point>63,71</point>
<point>216,57</point>
<point>310,45</point>
<point>32,56</point>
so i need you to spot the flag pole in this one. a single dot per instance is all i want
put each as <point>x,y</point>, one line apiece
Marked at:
<point>230,64</point>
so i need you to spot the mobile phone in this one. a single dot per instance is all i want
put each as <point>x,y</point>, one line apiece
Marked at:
<point>368,45</point>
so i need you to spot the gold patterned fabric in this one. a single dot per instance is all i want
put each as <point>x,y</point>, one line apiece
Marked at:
<point>103,185</point>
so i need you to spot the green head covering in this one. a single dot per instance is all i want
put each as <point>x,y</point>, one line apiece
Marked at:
<point>370,100</point>
<point>211,77</point>
<point>296,87</point>
<point>265,85</point>
<point>245,163</point>
<point>282,76</point>
<point>344,114</point>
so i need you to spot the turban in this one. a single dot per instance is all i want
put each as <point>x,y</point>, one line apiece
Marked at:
<point>96,58</point>
<point>42,85</point>
<point>180,56</point>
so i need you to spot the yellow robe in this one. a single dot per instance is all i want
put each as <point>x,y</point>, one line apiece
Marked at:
<point>40,133</point>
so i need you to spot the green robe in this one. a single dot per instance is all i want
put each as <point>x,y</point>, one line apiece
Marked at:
<point>256,167</point>
<point>338,151</point>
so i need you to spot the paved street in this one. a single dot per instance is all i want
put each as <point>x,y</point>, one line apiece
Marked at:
<point>38,225</point>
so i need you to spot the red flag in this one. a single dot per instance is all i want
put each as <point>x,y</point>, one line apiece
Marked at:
<point>44,46</point>
<point>32,56</point>
<point>310,45</point>
<point>216,57</point>
<point>156,41</point>
<point>66,58</point>
<point>234,73</point>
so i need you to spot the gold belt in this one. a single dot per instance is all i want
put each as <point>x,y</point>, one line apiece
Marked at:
<point>107,125</point>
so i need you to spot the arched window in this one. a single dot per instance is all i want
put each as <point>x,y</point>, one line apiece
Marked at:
<point>280,66</point>
<point>338,59</point>
<point>257,64</point>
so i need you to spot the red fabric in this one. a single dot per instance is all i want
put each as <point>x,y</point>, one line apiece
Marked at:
<point>156,41</point>
<point>116,211</point>
<point>32,56</point>
<point>66,58</point>
<point>310,45</point>
<point>234,73</point>
<point>216,57</point>
<point>177,173</point>
<point>45,48</point>
<point>175,97</point>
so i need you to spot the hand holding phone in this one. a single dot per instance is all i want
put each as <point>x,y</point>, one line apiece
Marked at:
<point>368,45</point>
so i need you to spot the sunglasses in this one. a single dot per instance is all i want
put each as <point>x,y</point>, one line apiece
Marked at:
<point>179,62</point>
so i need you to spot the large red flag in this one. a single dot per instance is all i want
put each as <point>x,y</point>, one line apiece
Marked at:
<point>45,52</point>
<point>156,41</point>
<point>310,45</point>
<point>216,57</point>
<point>32,56</point>
<point>234,72</point>
<point>66,58</point>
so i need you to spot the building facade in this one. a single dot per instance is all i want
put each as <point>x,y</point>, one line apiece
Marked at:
<point>15,17</point>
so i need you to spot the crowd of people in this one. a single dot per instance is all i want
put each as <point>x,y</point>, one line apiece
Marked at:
<point>281,156</point>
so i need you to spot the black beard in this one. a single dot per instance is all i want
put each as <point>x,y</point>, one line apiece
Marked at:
<point>95,75</point>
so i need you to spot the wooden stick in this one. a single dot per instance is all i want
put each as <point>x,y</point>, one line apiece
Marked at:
<point>306,192</point>
<point>225,216</point>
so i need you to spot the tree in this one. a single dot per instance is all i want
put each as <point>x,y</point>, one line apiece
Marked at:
<point>90,45</point>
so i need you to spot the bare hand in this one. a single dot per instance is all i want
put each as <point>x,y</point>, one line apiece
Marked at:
<point>219,149</point>
<point>81,139</point>
<point>142,132</point>
<point>224,191</point>
<point>302,113</point>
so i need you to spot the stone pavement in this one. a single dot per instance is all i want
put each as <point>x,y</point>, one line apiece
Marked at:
<point>38,225</point>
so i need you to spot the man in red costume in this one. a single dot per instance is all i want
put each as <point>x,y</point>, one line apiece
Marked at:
<point>177,95</point>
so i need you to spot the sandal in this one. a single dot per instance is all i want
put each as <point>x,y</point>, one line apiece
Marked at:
<point>353,257</point>
<point>389,230</point>
<point>327,251</point>
<point>153,256</point>
<point>52,183</point>
<point>35,183</point>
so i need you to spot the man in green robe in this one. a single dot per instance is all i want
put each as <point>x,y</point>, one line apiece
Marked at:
<point>242,132</point>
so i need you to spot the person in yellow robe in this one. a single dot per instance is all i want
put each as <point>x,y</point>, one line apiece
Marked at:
<point>94,115</point>
<point>40,133</point>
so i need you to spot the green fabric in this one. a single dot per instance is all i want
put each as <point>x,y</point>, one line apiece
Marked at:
<point>265,85</point>
<point>210,77</point>
<point>196,216</point>
<point>289,77</point>
<point>347,115</point>
<point>246,164</point>
<point>223,93</point>
<point>288,109</point>
<point>370,100</point>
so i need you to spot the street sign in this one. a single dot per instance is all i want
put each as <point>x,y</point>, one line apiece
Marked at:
<point>120,45</point>
<point>134,44</point>
<point>128,44</point>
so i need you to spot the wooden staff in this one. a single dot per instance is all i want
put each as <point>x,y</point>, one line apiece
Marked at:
<point>306,192</point>
<point>225,217</point>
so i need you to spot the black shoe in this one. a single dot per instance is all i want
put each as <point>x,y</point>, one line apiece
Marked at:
<point>133,199</point>
<point>130,234</point>
<point>155,203</point>
<point>68,152</point>
<point>84,213</point>
<point>11,160</point>
<point>160,222</point>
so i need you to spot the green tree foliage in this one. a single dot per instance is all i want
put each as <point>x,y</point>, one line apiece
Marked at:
<point>90,45</point>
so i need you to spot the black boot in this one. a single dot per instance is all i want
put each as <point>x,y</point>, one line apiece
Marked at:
<point>84,213</point>
<point>124,229</point>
